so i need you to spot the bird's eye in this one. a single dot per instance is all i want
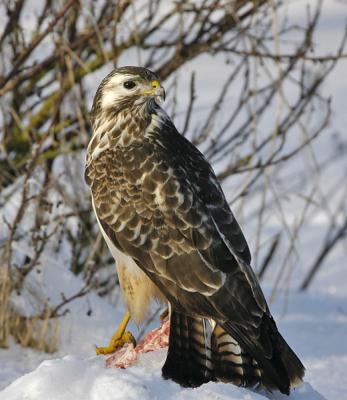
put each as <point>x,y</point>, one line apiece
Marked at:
<point>129,84</point>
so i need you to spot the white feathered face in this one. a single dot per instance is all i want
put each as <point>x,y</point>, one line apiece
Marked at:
<point>128,86</point>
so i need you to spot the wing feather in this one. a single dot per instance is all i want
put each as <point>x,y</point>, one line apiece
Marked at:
<point>159,201</point>
<point>174,220</point>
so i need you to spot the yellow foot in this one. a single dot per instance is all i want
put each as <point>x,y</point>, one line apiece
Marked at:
<point>119,338</point>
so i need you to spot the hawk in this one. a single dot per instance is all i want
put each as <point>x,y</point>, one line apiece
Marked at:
<point>169,227</point>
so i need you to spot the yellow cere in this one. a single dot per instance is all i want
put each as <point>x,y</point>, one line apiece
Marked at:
<point>155,84</point>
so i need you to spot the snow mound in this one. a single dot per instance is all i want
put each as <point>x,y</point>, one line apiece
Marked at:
<point>74,378</point>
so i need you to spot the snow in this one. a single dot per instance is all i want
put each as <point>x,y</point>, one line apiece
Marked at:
<point>76,378</point>
<point>314,324</point>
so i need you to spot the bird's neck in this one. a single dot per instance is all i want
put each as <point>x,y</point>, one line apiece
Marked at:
<point>124,127</point>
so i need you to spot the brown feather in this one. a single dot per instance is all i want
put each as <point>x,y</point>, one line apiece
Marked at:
<point>159,203</point>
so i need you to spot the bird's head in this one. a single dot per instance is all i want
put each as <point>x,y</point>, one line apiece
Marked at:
<point>126,87</point>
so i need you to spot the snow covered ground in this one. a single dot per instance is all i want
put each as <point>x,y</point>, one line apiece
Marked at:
<point>314,324</point>
<point>75,378</point>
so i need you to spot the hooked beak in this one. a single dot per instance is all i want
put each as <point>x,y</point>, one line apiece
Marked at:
<point>157,91</point>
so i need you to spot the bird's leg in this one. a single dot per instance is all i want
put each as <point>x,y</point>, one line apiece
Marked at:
<point>119,338</point>
<point>164,315</point>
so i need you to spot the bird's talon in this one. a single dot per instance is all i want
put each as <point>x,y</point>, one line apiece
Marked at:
<point>117,343</point>
<point>119,338</point>
<point>128,338</point>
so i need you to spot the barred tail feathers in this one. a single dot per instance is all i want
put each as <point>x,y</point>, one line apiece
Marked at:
<point>231,363</point>
<point>188,360</point>
<point>282,369</point>
<point>201,351</point>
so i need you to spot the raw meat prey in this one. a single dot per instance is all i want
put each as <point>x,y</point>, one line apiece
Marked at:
<point>127,355</point>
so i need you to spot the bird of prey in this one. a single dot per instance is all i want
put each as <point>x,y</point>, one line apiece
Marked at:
<point>169,227</point>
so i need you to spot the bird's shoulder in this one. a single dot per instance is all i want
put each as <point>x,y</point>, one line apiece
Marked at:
<point>199,182</point>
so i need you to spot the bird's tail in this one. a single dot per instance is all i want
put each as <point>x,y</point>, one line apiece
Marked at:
<point>188,360</point>
<point>201,350</point>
